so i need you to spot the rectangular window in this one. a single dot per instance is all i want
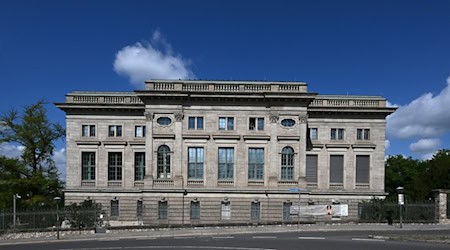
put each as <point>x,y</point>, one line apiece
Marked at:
<point>255,211</point>
<point>139,131</point>
<point>195,163</point>
<point>362,169</point>
<point>139,166</point>
<point>88,166</point>
<point>226,123</point>
<point>225,210</point>
<point>336,169</point>
<point>311,169</point>
<point>195,123</point>
<point>139,208</point>
<point>115,208</point>
<point>256,124</point>
<point>226,163</point>
<point>115,130</point>
<point>363,134</point>
<point>114,166</point>
<point>337,134</point>
<point>313,134</point>
<point>88,130</point>
<point>287,211</point>
<point>195,210</point>
<point>162,210</point>
<point>256,163</point>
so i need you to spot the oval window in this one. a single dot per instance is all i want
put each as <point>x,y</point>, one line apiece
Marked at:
<point>289,123</point>
<point>164,121</point>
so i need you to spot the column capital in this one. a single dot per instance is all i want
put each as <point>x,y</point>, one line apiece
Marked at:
<point>148,116</point>
<point>179,116</point>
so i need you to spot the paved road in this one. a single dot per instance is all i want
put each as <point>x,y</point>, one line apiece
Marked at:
<point>347,240</point>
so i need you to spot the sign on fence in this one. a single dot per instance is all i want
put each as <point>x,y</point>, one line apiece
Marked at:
<point>318,210</point>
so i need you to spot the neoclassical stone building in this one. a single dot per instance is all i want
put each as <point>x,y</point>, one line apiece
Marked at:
<point>189,151</point>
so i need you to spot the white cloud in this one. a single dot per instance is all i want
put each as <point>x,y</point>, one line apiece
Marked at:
<point>387,144</point>
<point>391,105</point>
<point>59,156</point>
<point>425,117</point>
<point>151,60</point>
<point>11,150</point>
<point>425,146</point>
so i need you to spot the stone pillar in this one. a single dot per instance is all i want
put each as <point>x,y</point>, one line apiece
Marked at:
<point>301,159</point>
<point>273,163</point>
<point>149,151</point>
<point>177,156</point>
<point>440,199</point>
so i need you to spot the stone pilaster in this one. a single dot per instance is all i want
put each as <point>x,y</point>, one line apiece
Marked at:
<point>177,164</point>
<point>273,153</point>
<point>149,151</point>
<point>301,156</point>
<point>440,199</point>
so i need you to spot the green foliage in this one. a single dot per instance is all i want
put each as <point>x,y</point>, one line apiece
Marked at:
<point>34,176</point>
<point>35,132</point>
<point>419,178</point>
<point>83,215</point>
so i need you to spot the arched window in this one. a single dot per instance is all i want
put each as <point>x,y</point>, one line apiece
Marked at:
<point>287,163</point>
<point>163,162</point>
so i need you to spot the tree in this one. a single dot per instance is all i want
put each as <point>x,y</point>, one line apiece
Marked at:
<point>34,132</point>
<point>34,176</point>
<point>419,178</point>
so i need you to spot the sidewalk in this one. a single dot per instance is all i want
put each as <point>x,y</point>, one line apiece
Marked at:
<point>23,238</point>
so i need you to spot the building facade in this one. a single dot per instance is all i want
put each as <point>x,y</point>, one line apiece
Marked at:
<point>208,152</point>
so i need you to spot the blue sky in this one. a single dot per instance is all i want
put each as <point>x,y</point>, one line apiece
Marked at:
<point>397,49</point>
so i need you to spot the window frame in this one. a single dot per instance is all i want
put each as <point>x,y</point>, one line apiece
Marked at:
<point>314,136</point>
<point>255,211</point>
<point>228,123</point>
<point>163,158</point>
<point>115,208</point>
<point>197,120</point>
<point>163,210</point>
<point>287,211</point>
<point>161,121</point>
<point>139,169</point>
<point>139,208</point>
<point>196,165</point>
<point>195,210</point>
<point>90,130</point>
<point>115,131</point>
<point>136,135</point>
<point>337,134</point>
<point>226,168</point>
<point>363,134</point>
<point>289,125</point>
<point>88,170</point>
<point>256,123</point>
<point>287,163</point>
<point>115,170</point>
<point>255,166</point>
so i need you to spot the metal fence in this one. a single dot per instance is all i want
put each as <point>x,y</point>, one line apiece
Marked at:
<point>448,207</point>
<point>389,212</point>
<point>44,220</point>
<point>176,215</point>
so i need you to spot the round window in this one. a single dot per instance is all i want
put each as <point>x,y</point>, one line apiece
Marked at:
<point>164,121</point>
<point>288,123</point>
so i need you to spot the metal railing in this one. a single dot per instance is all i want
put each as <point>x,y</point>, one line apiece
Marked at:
<point>45,220</point>
<point>420,212</point>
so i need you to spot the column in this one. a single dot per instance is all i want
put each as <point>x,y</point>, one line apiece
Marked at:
<point>440,199</point>
<point>177,156</point>
<point>273,164</point>
<point>149,151</point>
<point>301,156</point>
